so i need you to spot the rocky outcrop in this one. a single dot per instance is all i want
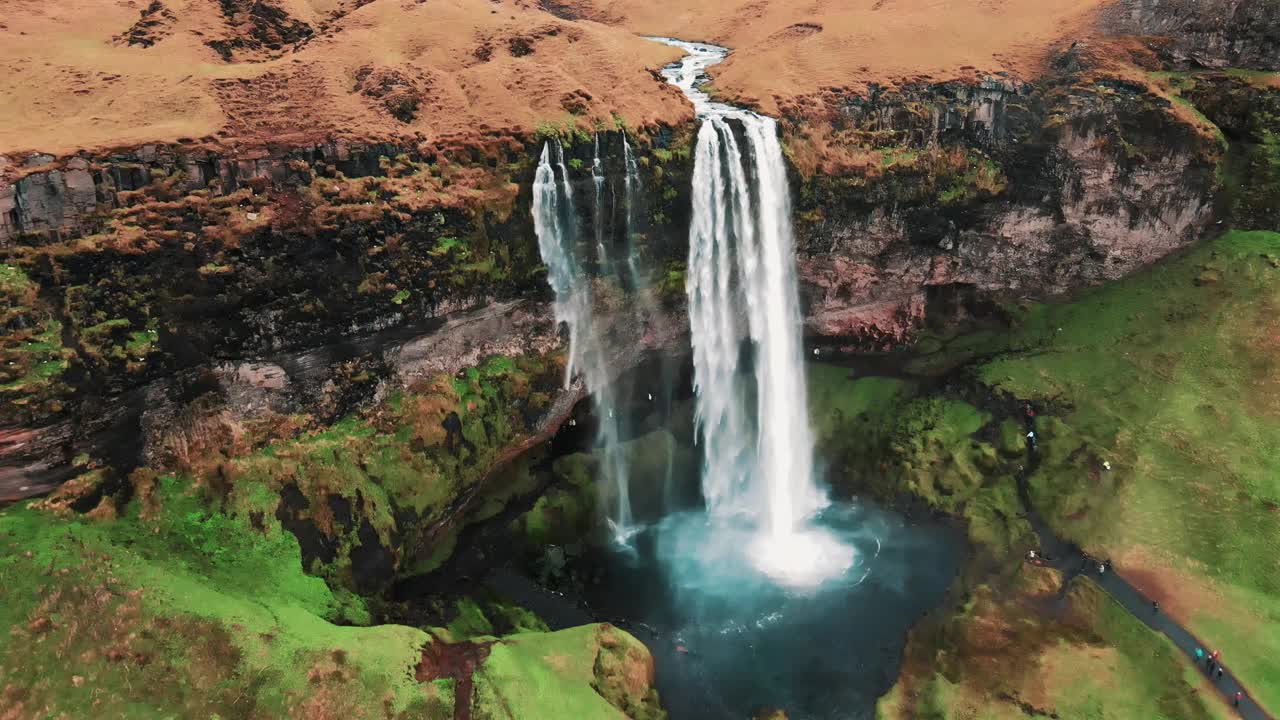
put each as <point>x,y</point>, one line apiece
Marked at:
<point>319,278</point>
<point>1007,188</point>
<point>62,198</point>
<point>1204,33</point>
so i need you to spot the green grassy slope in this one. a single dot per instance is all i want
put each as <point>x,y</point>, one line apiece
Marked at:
<point>172,611</point>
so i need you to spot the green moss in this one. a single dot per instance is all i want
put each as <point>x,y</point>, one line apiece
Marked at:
<point>566,512</point>
<point>183,615</point>
<point>32,357</point>
<point>397,468</point>
<point>470,621</point>
<point>541,675</point>
<point>13,281</point>
<point>671,286</point>
<point>172,611</point>
<point>982,178</point>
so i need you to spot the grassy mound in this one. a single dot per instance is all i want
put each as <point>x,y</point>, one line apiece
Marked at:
<point>186,614</point>
<point>173,611</point>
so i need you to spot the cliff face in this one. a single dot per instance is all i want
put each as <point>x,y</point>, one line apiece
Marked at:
<point>1005,188</point>
<point>176,310</point>
<point>140,277</point>
<point>182,310</point>
<point>1204,33</point>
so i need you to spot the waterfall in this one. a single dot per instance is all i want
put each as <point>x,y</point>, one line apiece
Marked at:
<point>555,222</point>
<point>631,184</point>
<point>597,210</point>
<point>752,413</point>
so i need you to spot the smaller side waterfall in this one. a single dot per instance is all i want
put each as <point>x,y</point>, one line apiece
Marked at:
<point>631,188</point>
<point>555,222</point>
<point>597,210</point>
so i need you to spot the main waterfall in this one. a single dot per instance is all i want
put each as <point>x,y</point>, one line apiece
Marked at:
<point>742,290</point>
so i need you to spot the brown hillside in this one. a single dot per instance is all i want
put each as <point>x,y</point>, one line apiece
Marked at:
<point>84,74</point>
<point>88,74</point>
<point>785,50</point>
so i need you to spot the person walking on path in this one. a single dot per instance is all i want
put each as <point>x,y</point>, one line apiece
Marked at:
<point>1155,607</point>
<point>1239,696</point>
<point>1219,673</point>
<point>1199,654</point>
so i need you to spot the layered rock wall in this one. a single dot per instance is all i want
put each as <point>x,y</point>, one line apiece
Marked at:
<point>1204,33</point>
<point>1026,190</point>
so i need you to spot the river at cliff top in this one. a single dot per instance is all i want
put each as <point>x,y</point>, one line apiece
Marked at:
<point>729,641</point>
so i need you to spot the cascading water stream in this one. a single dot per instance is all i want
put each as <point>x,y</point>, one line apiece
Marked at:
<point>747,597</point>
<point>741,285</point>
<point>556,225</point>
<point>597,210</point>
<point>631,184</point>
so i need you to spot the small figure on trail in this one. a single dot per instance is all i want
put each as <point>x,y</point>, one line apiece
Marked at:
<point>1155,606</point>
<point>1215,655</point>
<point>1199,654</point>
<point>1031,555</point>
<point>1031,439</point>
<point>1220,671</point>
<point>1102,568</point>
<point>1208,663</point>
<point>1239,696</point>
<point>1106,564</point>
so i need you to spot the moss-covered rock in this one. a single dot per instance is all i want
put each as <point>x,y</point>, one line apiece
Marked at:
<point>173,610</point>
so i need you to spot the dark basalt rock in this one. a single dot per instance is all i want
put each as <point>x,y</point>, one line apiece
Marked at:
<point>1204,33</point>
<point>1005,187</point>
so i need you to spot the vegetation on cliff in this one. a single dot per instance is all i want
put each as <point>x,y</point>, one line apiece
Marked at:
<point>1156,438</point>
<point>171,609</point>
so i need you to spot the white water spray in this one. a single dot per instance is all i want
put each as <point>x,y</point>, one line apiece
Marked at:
<point>742,289</point>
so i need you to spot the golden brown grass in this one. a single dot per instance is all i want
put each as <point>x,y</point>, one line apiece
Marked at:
<point>460,70</point>
<point>477,68</point>
<point>785,50</point>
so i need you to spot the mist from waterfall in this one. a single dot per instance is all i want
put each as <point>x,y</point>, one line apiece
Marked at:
<point>752,409</point>
<point>555,222</point>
